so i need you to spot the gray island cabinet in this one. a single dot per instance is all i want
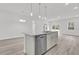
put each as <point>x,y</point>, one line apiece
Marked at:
<point>40,43</point>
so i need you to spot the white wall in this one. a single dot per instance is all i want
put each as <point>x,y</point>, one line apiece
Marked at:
<point>11,27</point>
<point>64,26</point>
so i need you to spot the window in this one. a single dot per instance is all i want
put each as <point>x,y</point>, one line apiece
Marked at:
<point>71,26</point>
<point>55,27</point>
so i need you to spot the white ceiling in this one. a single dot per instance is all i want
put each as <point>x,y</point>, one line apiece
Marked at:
<point>23,10</point>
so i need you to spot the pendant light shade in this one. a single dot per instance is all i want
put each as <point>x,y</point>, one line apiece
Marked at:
<point>22,20</point>
<point>31,14</point>
<point>39,16</point>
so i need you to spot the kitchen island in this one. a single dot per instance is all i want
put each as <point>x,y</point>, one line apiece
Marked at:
<point>38,44</point>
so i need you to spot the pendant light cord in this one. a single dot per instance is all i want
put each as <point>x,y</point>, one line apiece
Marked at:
<point>45,11</point>
<point>31,7</point>
<point>39,9</point>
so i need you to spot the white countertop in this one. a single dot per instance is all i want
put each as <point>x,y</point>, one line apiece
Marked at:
<point>44,32</point>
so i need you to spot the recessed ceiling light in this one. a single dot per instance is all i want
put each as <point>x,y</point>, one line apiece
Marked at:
<point>75,8</point>
<point>22,20</point>
<point>66,4</point>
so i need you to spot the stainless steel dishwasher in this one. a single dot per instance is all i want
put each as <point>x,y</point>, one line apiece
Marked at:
<point>40,44</point>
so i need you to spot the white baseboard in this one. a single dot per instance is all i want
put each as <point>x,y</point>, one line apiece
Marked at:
<point>72,35</point>
<point>5,38</point>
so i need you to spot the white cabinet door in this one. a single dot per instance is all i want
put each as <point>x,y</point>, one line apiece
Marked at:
<point>52,39</point>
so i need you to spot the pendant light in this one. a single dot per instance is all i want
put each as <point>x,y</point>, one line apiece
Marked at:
<point>22,18</point>
<point>39,11</point>
<point>31,14</point>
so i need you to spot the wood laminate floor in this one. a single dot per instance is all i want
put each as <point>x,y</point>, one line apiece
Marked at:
<point>67,45</point>
<point>12,46</point>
